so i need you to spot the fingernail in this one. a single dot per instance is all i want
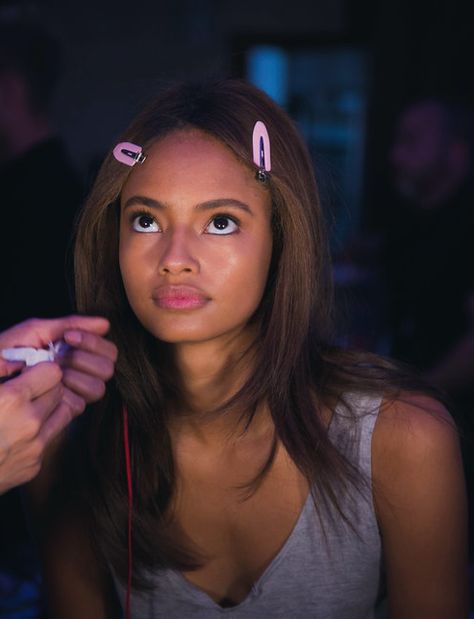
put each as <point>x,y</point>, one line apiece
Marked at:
<point>73,337</point>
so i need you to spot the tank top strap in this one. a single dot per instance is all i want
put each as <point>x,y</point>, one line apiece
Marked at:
<point>352,427</point>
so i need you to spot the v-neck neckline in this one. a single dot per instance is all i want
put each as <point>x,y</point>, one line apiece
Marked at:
<point>199,594</point>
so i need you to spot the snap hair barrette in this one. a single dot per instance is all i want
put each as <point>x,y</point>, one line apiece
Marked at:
<point>129,153</point>
<point>261,151</point>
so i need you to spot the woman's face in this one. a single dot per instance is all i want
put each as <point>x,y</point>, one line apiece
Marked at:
<point>195,240</point>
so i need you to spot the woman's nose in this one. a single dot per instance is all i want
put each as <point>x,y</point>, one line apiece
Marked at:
<point>178,255</point>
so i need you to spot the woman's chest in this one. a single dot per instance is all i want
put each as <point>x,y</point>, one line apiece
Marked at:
<point>238,532</point>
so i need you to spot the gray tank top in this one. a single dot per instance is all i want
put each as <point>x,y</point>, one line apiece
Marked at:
<point>324,570</point>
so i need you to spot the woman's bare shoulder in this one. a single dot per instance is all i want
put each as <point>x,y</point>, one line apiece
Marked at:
<point>413,425</point>
<point>415,450</point>
<point>414,439</point>
<point>420,503</point>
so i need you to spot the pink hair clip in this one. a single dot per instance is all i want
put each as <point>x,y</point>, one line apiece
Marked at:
<point>129,153</point>
<point>261,150</point>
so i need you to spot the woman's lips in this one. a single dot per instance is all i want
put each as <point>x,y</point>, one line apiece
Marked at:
<point>179,297</point>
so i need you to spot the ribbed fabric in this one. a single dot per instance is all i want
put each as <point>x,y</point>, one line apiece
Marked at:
<point>325,570</point>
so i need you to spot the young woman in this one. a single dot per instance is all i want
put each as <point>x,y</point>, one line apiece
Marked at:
<point>271,474</point>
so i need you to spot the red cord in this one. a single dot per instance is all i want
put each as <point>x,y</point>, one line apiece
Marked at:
<point>128,469</point>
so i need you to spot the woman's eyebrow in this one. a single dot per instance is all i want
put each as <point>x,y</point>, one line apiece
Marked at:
<point>207,205</point>
<point>219,202</point>
<point>144,201</point>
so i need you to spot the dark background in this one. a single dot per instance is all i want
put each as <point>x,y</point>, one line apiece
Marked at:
<point>117,55</point>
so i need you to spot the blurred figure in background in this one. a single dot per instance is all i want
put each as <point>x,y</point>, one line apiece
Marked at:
<point>39,196</point>
<point>39,190</point>
<point>430,254</point>
<point>431,249</point>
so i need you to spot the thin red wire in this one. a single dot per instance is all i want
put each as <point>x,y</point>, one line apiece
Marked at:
<point>128,469</point>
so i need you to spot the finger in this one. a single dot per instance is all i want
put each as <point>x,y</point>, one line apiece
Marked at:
<point>70,406</point>
<point>38,333</point>
<point>35,381</point>
<point>9,367</point>
<point>26,420</point>
<point>89,363</point>
<point>44,406</point>
<point>92,343</point>
<point>93,324</point>
<point>88,387</point>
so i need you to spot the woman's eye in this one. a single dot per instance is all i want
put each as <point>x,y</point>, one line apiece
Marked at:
<point>222,225</point>
<point>145,223</point>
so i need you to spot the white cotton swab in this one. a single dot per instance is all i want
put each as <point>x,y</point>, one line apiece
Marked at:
<point>31,356</point>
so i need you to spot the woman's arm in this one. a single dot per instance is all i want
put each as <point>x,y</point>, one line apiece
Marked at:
<point>76,585</point>
<point>421,507</point>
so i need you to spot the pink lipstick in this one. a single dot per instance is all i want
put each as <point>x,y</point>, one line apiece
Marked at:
<point>179,297</point>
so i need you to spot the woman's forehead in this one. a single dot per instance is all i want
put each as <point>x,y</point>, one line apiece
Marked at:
<point>190,157</point>
<point>188,140</point>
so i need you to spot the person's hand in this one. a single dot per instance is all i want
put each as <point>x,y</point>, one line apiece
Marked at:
<point>37,405</point>
<point>86,366</point>
<point>27,422</point>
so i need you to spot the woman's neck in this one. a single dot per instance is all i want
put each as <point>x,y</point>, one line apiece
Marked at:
<point>211,373</point>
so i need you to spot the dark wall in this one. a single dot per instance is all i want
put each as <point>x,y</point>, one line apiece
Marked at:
<point>118,55</point>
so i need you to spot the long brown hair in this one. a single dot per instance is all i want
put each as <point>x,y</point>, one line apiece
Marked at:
<point>296,369</point>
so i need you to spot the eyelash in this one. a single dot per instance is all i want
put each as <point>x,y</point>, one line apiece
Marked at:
<point>231,218</point>
<point>144,213</point>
